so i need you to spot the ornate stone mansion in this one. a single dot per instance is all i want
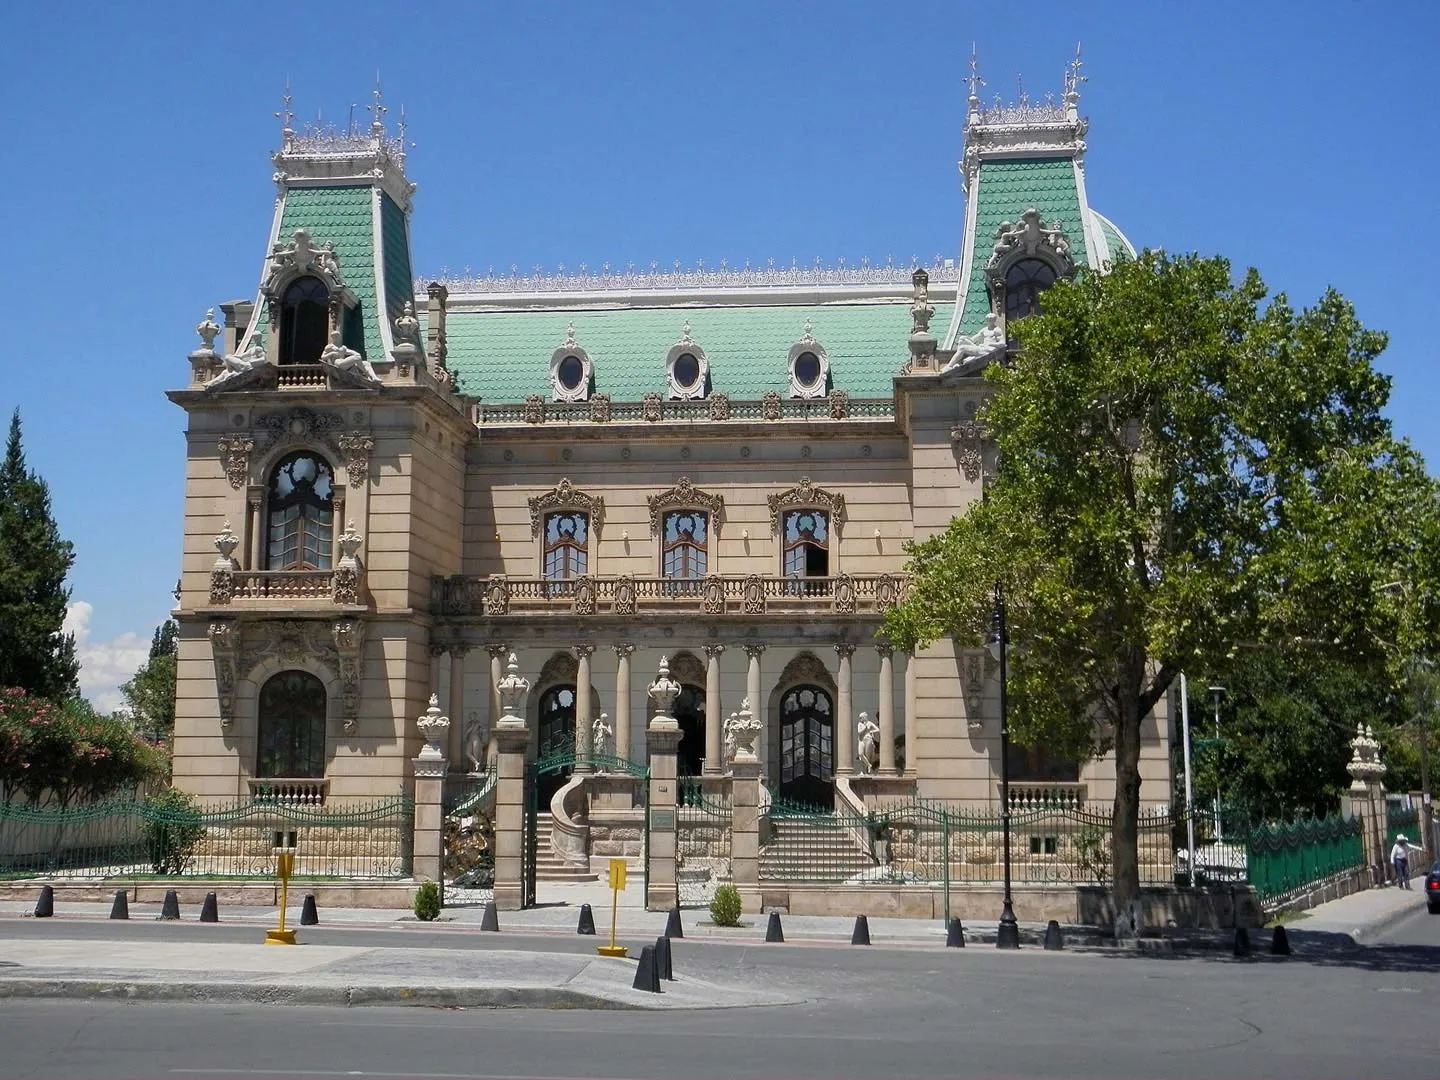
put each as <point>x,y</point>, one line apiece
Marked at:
<point>393,483</point>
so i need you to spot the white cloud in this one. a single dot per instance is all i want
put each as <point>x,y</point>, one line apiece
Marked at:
<point>104,665</point>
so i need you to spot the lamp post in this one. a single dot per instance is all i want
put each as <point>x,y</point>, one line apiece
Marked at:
<point>1217,692</point>
<point>1008,934</point>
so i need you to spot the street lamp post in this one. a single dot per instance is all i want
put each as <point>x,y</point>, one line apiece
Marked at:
<point>1217,692</point>
<point>1008,934</point>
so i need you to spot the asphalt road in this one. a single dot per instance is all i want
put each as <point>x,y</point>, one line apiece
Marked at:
<point>1418,928</point>
<point>1326,1012</point>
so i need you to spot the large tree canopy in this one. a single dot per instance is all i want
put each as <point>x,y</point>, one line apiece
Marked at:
<point>35,654</point>
<point>1184,469</point>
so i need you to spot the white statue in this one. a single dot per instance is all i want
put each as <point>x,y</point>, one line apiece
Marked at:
<point>731,723</point>
<point>236,364</point>
<point>343,358</point>
<point>981,343</point>
<point>869,733</point>
<point>305,257</point>
<point>601,731</point>
<point>475,745</point>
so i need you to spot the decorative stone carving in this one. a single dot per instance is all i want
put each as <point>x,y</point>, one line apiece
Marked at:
<point>754,595</point>
<point>770,405</point>
<point>600,409</point>
<point>712,597</point>
<point>719,406</point>
<point>348,636</point>
<point>684,495</point>
<point>885,592</point>
<point>663,692</point>
<point>809,378</point>
<point>974,686</point>
<point>497,595</point>
<point>844,595</point>
<point>301,257</point>
<point>650,407</point>
<point>434,727</point>
<point>347,363</point>
<point>988,339</point>
<point>806,668</point>
<point>839,404</point>
<point>570,350</point>
<point>235,451</point>
<point>1365,767</point>
<point>300,427</point>
<point>345,584</point>
<point>807,494</point>
<point>624,603</point>
<point>534,409</point>
<point>728,741</point>
<point>678,389</point>
<point>1028,236</point>
<point>968,437</point>
<point>922,341</point>
<point>513,689</point>
<point>222,574</point>
<point>225,649</point>
<point>746,733</point>
<point>601,734</point>
<point>356,446</point>
<point>868,740</point>
<point>251,366</point>
<point>566,496</point>
<point>584,595</point>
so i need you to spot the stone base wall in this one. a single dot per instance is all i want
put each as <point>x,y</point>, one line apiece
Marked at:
<point>617,834</point>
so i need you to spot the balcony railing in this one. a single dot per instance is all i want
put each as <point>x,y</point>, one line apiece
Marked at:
<point>499,595</point>
<point>283,584</point>
<point>290,791</point>
<point>1046,795</point>
<point>303,375</point>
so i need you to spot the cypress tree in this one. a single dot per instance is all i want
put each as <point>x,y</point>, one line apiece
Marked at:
<point>35,653</point>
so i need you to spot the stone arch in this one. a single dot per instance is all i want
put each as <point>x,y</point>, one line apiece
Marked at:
<point>246,731</point>
<point>805,668</point>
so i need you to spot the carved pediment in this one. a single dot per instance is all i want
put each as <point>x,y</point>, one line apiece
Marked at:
<point>301,258</point>
<point>566,496</point>
<point>807,494</point>
<point>1029,237</point>
<point>684,495</point>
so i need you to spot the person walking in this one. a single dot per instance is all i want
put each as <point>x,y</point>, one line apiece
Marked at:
<point>1400,859</point>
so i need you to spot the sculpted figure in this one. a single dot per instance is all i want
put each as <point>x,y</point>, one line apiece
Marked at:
<point>601,731</point>
<point>343,358</point>
<point>869,732</point>
<point>981,343</point>
<point>236,364</point>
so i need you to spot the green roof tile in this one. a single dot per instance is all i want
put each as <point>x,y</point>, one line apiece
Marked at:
<point>1007,189</point>
<point>504,356</point>
<point>396,242</point>
<point>1119,247</point>
<point>341,216</point>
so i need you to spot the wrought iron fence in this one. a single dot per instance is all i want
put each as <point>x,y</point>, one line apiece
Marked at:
<point>702,841</point>
<point>130,840</point>
<point>804,843</point>
<point>1284,858</point>
<point>466,794</point>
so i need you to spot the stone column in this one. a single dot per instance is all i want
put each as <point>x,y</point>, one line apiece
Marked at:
<point>430,766</point>
<point>663,739</point>
<point>745,810</point>
<point>844,713</point>
<point>497,672</point>
<point>457,703</point>
<point>912,725</point>
<point>887,710</point>
<point>512,740</point>
<point>254,529</point>
<point>623,652</point>
<point>714,725</point>
<point>752,694</point>
<point>584,733</point>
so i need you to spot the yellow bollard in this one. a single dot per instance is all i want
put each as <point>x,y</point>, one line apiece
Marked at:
<point>617,885</point>
<point>284,866</point>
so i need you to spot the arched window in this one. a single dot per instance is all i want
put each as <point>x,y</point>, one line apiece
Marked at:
<point>683,552</point>
<point>807,544</point>
<point>807,725</point>
<point>300,514</point>
<point>1024,282</point>
<point>567,539</point>
<point>557,741</point>
<point>291,732</point>
<point>304,321</point>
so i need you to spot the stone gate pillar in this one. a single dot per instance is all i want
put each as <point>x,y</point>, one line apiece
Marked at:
<point>430,767</point>
<point>663,739</point>
<point>1367,796</point>
<point>512,739</point>
<point>745,809</point>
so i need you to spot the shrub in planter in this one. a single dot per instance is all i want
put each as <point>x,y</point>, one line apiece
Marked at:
<point>725,908</point>
<point>427,902</point>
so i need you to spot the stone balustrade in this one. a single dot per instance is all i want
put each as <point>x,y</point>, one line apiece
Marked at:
<point>1046,795</point>
<point>290,791</point>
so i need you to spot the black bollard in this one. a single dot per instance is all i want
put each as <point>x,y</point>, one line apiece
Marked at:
<point>309,916</point>
<point>774,932</point>
<point>120,909</point>
<point>1054,940</point>
<point>672,924</point>
<point>1280,942</point>
<point>664,960</point>
<point>45,902</point>
<point>645,976</point>
<point>171,908</point>
<point>210,909</point>
<point>490,920</point>
<point>861,934</point>
<point>587,921</point>
<point>955,935</point>
<point>1242,941</point>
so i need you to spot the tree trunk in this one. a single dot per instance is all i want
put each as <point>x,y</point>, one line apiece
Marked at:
<point>1125,820</point>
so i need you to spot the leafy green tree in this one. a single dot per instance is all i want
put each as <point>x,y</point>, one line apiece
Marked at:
<point>1183,467</point>
<point>35,654</point>
<point>150,693</point>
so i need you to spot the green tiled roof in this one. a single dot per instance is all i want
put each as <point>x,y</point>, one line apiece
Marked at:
<point>1119,248</point>
<point>397,256</point>
<point>341,216</point>
<point>504,356</point>
<point>1007,189</point>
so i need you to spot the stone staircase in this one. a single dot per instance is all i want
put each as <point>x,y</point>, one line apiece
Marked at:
<point>803,851</point>
<point>548,866</point>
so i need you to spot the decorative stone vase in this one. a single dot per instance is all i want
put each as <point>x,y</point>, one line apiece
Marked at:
<point>747,733</point>
<point>434,727</point>
<point>513,689</point>
<point>225,544</point>
<point>663,691</point>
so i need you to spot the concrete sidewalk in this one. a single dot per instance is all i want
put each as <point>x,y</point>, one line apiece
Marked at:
<point>1365,916</point>
<point>348,975</point>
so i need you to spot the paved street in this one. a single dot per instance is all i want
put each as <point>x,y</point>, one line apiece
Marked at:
<point>1333,1010</point>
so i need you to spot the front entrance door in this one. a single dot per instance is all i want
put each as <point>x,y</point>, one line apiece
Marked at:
<point>557,741</point>
<point>689,712</point>
<point>807,765</point>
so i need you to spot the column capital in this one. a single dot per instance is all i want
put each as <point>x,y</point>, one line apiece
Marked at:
<point>497,652</point>
<point>584,652</point>
<point>754,651</point>
<point>713,651</point>
<point>844,649</point>
<point>624,650</point>
<point>437,650</point>
<point>457,650</point>
<point>885,649</point>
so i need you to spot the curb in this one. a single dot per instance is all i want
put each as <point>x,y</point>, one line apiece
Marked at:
<point>1383,922</point>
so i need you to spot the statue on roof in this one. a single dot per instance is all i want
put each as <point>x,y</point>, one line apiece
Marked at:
<point>236,365</point>
<point>342,358</point>
<point>981,343</point>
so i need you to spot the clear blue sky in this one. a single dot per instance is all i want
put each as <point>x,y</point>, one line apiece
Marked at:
<point>1297,137</point>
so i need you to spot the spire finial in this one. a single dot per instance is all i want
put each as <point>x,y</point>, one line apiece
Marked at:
<point>1074,77</point>
<point>285,116</point>
<point>377,108</point>
<point>974,78</point>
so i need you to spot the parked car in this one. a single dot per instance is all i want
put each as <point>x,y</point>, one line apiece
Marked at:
<point>1432,889</point>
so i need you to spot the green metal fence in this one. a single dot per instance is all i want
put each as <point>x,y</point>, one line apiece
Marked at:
<point>1286,858</point>
<point>132,840</point>
<point>464,795</point>
<point>803,843</point>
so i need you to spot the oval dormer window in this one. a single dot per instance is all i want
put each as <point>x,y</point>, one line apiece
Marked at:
<point>807,370</point>
<point>571,372</point>
<point>687,371</point>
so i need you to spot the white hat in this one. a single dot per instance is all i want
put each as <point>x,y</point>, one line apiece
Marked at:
<point>1401,839</point>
